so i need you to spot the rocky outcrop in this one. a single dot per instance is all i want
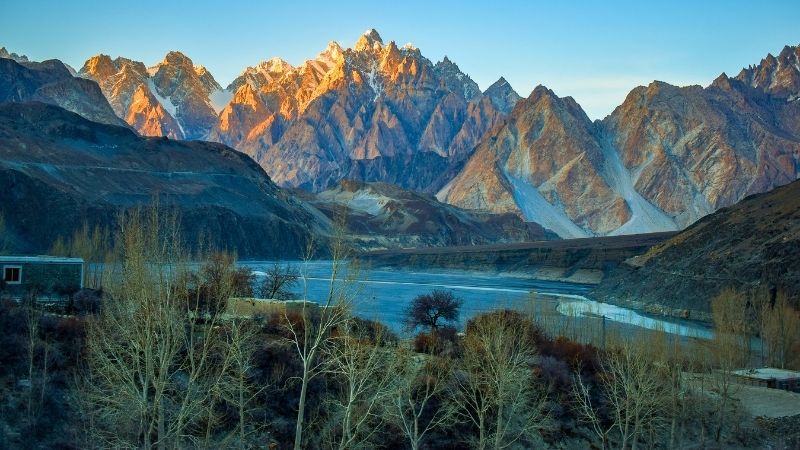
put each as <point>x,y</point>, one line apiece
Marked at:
<point>383,216</point>
<point>663,159</point>
<point>545,163</point>
<point>147,116</point>
<point>752,246</point>
<point>51,82</point>
<point>188,90</point>
<point>502,95</point>
<point>779,76</point>
<point>10,55</point>
<point>58,170</point>
<point>174,98</point>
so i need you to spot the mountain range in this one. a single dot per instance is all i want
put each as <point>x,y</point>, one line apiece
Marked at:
<point>374,112</point>
<point>378,112</point>
<point>663,159</point>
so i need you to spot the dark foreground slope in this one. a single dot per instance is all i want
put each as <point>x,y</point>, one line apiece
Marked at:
<point>751,246</point>
<point>58,169</point>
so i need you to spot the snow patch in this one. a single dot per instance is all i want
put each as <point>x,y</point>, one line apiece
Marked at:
<point>372,80</point>
<point>166,103</point>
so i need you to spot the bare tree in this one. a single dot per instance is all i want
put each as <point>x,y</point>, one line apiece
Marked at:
<point>154,364</point>
<point>415,401</point>
<point>313,332</point>
<point>93,245</point>
<point>634,390</point>
<point>730,350</point>
<point>734,326</point>
<point>429,310</point>
<point>278,282</point>
<point>236,387</point>
<point>588,411</point>
<point>780,330</point>
<point>365,370</point>
<point>496,390</point>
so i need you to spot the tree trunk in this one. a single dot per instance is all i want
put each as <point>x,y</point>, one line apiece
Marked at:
<point>301,406</point>
<point>161,427</point>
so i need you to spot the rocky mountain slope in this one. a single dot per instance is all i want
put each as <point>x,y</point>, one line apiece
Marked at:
<point>174,98</point>
<point>51,82</point>
<point>752,246</point>
<point>502,95</point>
<point>374,112</point>
<point>383,216</point>
<point>664,158</point>
<point>58,170</point>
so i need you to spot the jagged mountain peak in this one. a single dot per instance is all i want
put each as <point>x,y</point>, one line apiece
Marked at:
<point>99,67</point>
<point>4,53</point>
<point>177,57</point>
<point>456,80</point>
<point>502,95</point>
<point>275,64</point>
<point>370,40</point>
<point>778,76</point>
<point>332,52</point>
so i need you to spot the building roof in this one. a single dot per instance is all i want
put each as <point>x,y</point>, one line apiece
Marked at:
<point>768,373</point>
<point>44,259</point>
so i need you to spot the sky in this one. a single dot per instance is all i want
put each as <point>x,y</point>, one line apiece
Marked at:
<point>595,52</point>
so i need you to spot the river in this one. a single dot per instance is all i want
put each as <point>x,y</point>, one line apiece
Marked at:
<point>384,295</point>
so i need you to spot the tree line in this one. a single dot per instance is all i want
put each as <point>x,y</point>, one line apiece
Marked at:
<point>152,359</point>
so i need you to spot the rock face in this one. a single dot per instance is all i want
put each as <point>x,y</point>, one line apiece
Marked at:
<point>8,55</point>
<point>374,112</point>
<point>58,169</point>
<point>383,216</point>
<point>663,159</point>
<point>51,82</point>
<point>502,95</point>
<point>753,246</point>
<point>777,76</point>
<point>173,98</point>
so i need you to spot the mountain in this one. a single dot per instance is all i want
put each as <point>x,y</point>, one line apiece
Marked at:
<point>374,112</point>
<point>502,95</point>
<point>777,76</point>
<point>663,159</point>
<point>51,82</point>
<point>752,246</point>
<point>126,85</point>
<point>174,98</point>
<point>382,216</point>
<point>58,170</point>
<point>8,55</point>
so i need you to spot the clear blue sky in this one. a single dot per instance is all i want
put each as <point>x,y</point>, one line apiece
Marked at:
<point>593,51</point>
